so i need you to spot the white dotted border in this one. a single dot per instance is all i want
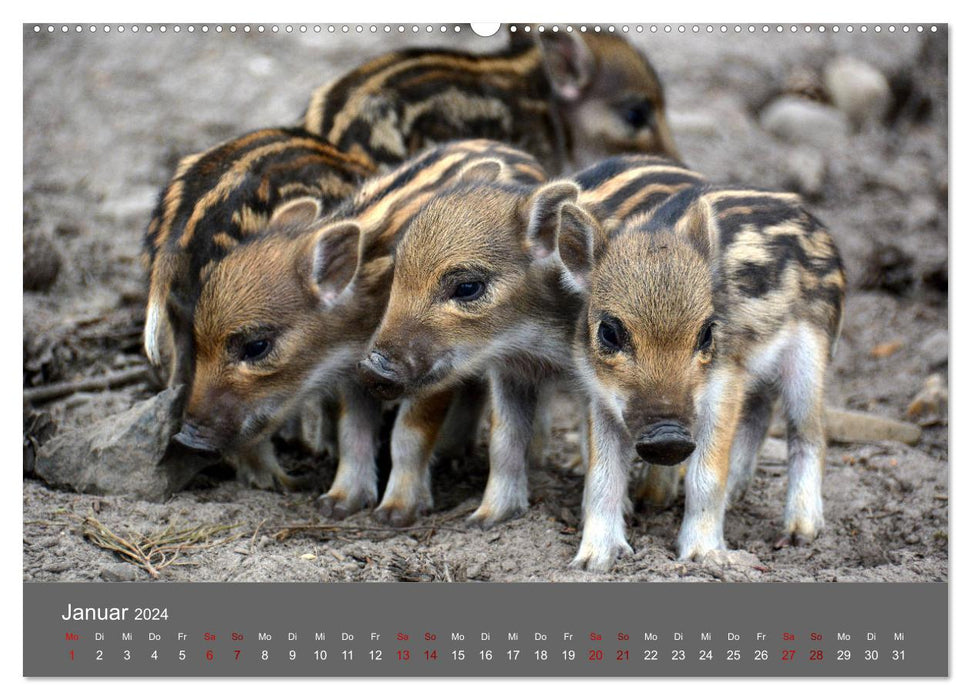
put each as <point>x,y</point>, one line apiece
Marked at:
<point>429,28</point>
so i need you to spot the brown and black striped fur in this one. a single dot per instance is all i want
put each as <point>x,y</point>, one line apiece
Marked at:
<point>565,98</point>
<point>618,189</point>
<point>699,316</point>
<point>218,200</point>
<point>500,241</point>
<point>308,296</point>
<point>771,262</point>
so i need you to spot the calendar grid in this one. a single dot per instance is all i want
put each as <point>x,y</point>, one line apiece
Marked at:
<point>781,630</point>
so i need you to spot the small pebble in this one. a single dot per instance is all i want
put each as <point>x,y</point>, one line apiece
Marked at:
<point>119,572</point>
<point>57,567</point>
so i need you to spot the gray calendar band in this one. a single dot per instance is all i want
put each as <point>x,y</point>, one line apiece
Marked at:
<point>358,629</point>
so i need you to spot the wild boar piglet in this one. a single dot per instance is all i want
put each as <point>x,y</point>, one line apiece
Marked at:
<point>698,318</point>
<point>216,202</point>
<point>565,97</point>
<point>286,316</point>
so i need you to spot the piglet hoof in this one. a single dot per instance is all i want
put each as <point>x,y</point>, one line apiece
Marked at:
<point>485,517</point>
<point>695,549</point>
<point>339,506</point>
<point>397,515</point>
<point>285,482</point>
<point>600,559</point>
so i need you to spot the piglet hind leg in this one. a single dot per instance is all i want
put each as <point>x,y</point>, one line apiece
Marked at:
<point>316,430</point>
<point>706,481</point>
<point>659,486</point>
<point>802,374</point>
<point>358,428</point>
<point>460,429</point>
<point>507,491</point>
<point>753,426</point>
<point>409,491</point>
<point>542,425</point>
<point>604,493</point>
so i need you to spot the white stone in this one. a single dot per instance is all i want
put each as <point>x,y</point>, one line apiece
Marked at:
<point>801,121</point>
<point>858,89</point>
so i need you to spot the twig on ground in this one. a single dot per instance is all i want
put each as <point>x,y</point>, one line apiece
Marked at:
<point>112,380</point>
<point>252,542</point>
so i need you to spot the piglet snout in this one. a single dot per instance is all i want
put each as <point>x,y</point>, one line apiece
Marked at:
<point>666,443</point>
<point>381,376</point>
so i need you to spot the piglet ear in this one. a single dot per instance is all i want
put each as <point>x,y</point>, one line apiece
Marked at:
<point>297,212</point>
<point>544,212</point>
<point>579,242</point>
<point>699,225</point>
<point>333,258</point>
<point>482,171</point>
<point>569,63</point>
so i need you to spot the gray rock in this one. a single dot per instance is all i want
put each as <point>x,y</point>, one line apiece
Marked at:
<point>42,262</point>
<point>800,121</point>
<point>806,171</point>
<point>57,567</point>
<point>119,572</point>
<point>127,453</point>
<point>935,348</point>
<point>857,89</point>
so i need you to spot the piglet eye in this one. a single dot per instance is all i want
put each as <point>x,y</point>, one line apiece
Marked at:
<point>255,350</point>
<point>638,114</point>
<point>468,291</point>
<point>610,335</point>
<point>705,337</point>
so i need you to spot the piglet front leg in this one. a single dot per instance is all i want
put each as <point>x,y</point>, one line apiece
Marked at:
<point>706,481</point>
<point>507,492</point>
<point>409,490</point>
<point>358,431</point>
<point>604,492</point>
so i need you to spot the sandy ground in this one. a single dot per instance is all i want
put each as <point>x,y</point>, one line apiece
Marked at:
<point>106,118</point>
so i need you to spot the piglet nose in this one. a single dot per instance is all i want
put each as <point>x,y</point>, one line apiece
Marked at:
<point>194,438</point>
<point>666,443</point>
<point>381,376</point>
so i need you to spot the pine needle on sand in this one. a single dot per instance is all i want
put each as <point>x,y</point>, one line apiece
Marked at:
<point>157,550</point>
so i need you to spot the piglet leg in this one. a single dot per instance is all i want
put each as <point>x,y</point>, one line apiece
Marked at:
<point>513,407</point>
<point>409,490</point>
<point>358,431</point>
<point>706,481</point>
<point>605,492</point>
